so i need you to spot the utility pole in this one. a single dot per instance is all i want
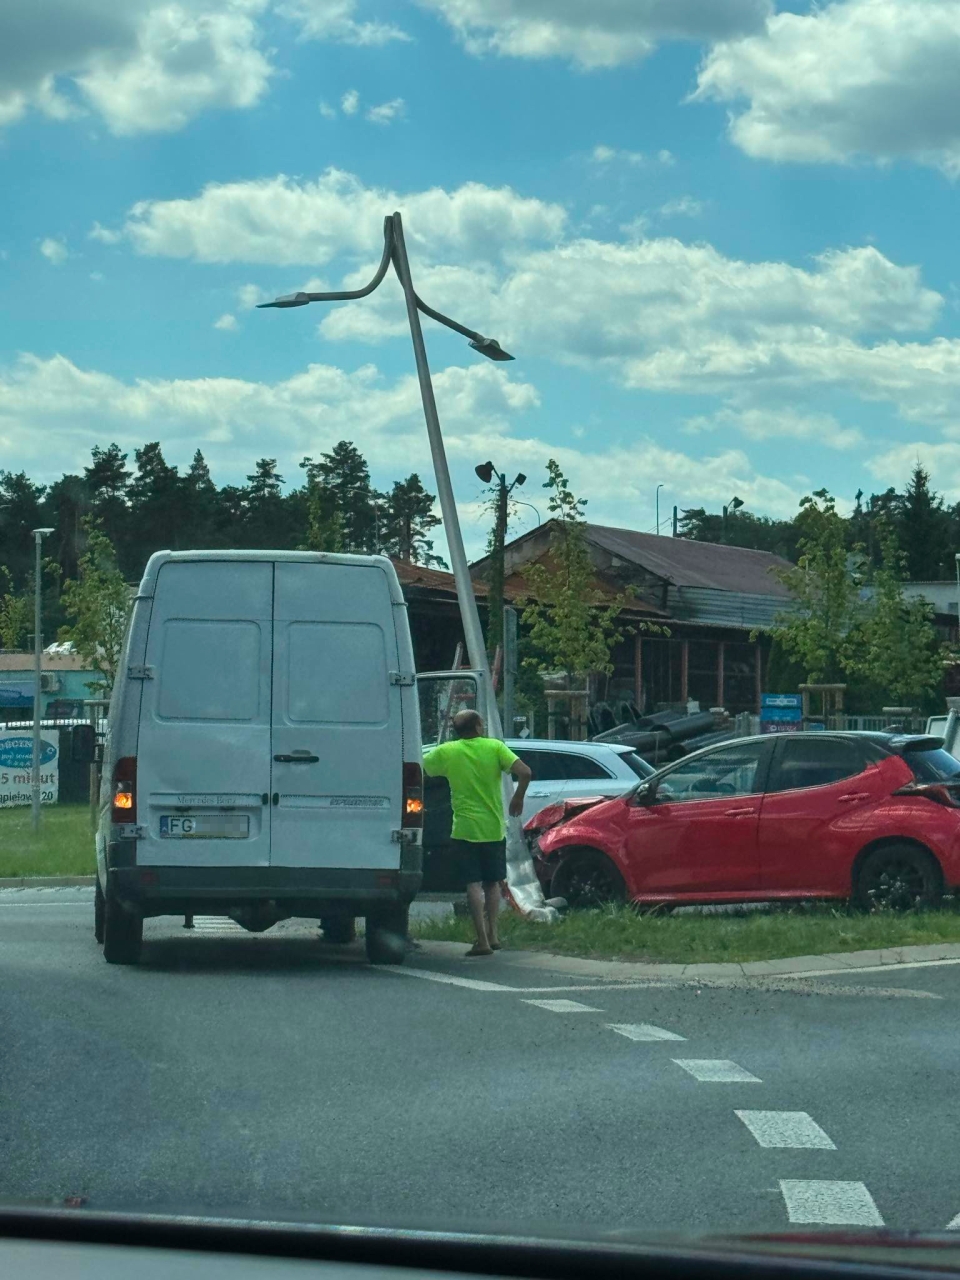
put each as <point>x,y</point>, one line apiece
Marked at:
<point>486,471</point>
<point>38,536</point>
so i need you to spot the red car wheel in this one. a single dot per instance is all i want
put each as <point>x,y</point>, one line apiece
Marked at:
<point>587,878</point>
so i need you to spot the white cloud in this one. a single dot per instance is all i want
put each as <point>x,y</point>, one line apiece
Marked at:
<point>153,65</point>
<point>666,158</point>
<point>52,412</point>
<point>250,295</point>
<point>285,222</point>
<point>387,112</point>
<point>54,250</point>
<point>604,33</point>
<point>941,459</point>
<point>104,234</point>
<point>350,102</point>
<point>334,20</point>
<point>328,112</point>
<point>779,423</point>
<point>96,276</point>
<point>855,78</point>
<point>682,207</point>
<point>602,154</point>
<point>227,322</point>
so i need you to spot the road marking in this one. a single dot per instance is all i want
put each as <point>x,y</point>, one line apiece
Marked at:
<point>867,968</point>
<point>642,1031</point>
<point>563,1006</point>
<point>786,1129</point>
<point>716,1071</point>
<point>835,1204</point>
<point>216,924</point>
<point>472,984</point>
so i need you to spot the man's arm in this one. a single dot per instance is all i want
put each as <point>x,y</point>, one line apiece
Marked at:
<point>523,776</point>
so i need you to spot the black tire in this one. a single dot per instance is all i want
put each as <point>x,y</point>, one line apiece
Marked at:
<point>587,878</point>
<point>98,909</point>
<point>340,930</point>
<point>898,877</point>
<point>122,932</point>
<point>386,935</point>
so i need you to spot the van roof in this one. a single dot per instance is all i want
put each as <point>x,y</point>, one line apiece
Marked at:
<point>160,558</point>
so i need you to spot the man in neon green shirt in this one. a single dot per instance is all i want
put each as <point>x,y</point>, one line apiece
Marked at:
<point>473,766</point>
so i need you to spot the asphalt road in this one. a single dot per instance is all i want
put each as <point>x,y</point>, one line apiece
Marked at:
<point>272,1075</point>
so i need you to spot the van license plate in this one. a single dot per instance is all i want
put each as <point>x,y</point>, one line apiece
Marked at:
<point>205,826</point>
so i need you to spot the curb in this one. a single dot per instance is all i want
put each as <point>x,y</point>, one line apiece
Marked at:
<point>47,882</point>
<point>832,963</point>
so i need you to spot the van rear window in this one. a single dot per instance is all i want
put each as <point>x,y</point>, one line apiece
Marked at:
<point>209,670</point>
<point>336,673</point>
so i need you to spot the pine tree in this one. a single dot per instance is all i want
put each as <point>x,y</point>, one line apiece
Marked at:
<point>156,507</point>
<point>924,529</point>
<point>199,498</point>
<point>407,518</point>
<point>106,481</point>
<point>20,512</point>
<point>345,473</point>
<point>263,507</point>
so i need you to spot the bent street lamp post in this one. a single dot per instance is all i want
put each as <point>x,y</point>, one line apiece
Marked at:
<point>395,251</point>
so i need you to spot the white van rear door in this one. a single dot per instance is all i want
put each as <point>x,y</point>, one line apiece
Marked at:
<point>203,752</point>
<point>337,748</point>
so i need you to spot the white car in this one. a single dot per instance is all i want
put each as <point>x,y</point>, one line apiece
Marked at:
<point>563,770</point>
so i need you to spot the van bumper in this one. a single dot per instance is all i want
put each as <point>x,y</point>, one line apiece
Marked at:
<point>300,891</point>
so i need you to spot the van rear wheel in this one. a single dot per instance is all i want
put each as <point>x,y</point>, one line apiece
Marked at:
<point>386,935</point>
<point>122,932</point>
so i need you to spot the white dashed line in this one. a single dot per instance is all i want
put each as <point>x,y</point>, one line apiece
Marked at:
<point>642,1031</point>
<point>835,1204</point>
<point>215,924</point>
<point>786,1129</point>
<point>563,1006</point>
<point>716,1071</point>
<point>472,984</point>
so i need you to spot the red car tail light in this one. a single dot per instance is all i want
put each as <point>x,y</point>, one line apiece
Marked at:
<point>124,803</point>
<point>412,796</point>
<point>939,792</point>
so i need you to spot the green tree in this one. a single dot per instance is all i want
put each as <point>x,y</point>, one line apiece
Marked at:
<point>822,633</point>
<point>265,522</point>
<point>199,499</point>
<point>344,472</point>
<point>407,518</point>
<point>324,525</point>
<point>156,506</point>
<point>743,529</point>
<point>106,481</point>
<point>924,530</point>
<point>900,652</point>
<point>20,513</point>
<point>569,629</point>
<point>16,613</point>
<point>97,603</point>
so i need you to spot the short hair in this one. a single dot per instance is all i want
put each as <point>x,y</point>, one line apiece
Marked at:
<point>467,724</point>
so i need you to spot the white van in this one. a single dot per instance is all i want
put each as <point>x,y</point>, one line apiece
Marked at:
<point>262,757</point>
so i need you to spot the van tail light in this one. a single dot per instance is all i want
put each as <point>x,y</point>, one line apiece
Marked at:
<point>939,792</point>
<point>124,803</point>
<point>412,796</point>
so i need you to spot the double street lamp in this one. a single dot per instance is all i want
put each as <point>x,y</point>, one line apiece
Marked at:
<point>486,471</point>
<point>395,252</point>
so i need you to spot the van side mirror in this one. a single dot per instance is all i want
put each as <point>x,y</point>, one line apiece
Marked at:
<point>83,747</point>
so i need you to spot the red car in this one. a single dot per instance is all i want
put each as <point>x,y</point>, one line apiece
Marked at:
<point>869,816</point>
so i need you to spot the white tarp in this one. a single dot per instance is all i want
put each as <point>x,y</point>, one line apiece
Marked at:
<point>16,761</point>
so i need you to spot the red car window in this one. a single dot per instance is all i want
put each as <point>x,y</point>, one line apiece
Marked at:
<point>816,761</point>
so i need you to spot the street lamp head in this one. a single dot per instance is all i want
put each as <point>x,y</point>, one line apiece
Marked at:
<point>491,348</point>
<point>288,300</point>
<point>485,471</point>
<point>521,479</point>
<point>41,533</point>
<point>736,503</point>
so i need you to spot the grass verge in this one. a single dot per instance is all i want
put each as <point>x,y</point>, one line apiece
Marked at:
<point>619,933</point>
<point>63,847</point>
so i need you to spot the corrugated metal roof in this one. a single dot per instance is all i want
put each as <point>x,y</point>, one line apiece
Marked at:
<point>687,563</point>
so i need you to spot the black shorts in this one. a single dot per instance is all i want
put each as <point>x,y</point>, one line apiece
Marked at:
<point>481,861</point>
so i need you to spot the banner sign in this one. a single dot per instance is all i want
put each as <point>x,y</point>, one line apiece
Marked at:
<point>17,693</point>
<point>16,764</point>
<point>781,712</point>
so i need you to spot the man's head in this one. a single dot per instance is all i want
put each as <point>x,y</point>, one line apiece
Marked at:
<point>468,724</point>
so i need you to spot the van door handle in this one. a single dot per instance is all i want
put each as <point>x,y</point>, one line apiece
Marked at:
<point>297,757</point>
<point>739,813</point>
<point>854,795</point>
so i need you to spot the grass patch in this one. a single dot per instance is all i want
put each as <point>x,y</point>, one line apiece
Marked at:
<point>63,847</point>
<point>619,933</point>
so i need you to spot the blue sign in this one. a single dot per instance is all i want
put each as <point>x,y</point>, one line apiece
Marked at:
<point>782,701</point>
<point>791,714</point>
<point>16,752</point>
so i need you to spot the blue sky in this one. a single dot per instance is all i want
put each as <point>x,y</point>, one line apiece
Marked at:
<point>719,236</point>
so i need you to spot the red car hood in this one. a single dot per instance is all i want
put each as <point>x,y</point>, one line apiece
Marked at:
<point>554,814</point>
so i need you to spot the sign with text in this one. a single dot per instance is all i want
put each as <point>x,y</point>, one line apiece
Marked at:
<point>16,763</point>
<point>781,712</point>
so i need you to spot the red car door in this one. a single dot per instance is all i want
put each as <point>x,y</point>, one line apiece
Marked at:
<point>699,836</point>
<point>820,790</point>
